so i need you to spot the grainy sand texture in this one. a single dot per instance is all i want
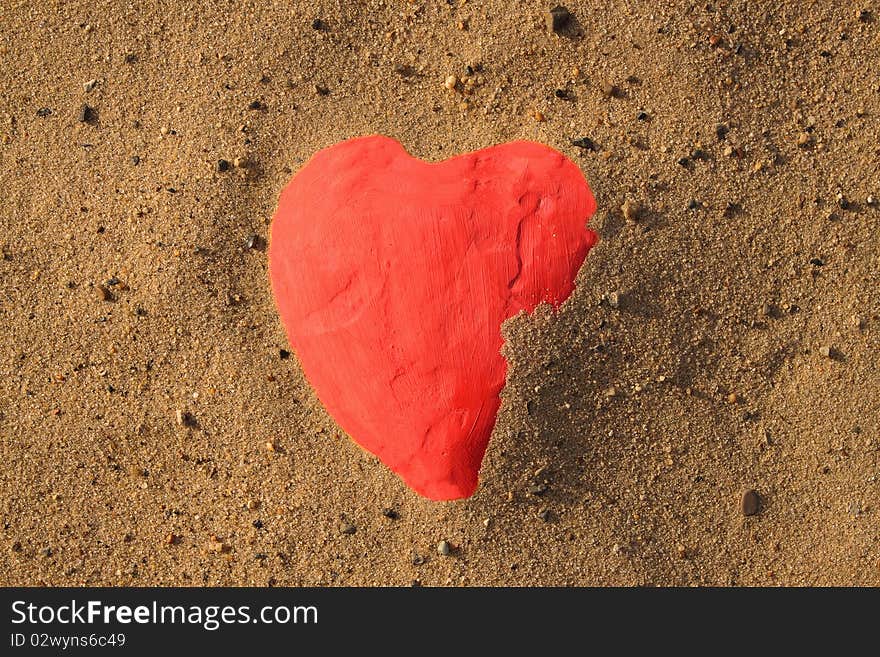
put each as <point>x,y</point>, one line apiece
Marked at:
<point>704,410</point>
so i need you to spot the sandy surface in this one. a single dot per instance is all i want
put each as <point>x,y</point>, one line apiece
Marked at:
<point>628,434</point>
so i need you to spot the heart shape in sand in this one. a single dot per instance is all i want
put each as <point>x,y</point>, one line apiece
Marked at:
<point>393,275</point>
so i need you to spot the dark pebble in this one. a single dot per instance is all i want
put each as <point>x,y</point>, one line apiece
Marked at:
<point>104,293</point>
<point>544,514</point>
<point>283,354</point>
<point>86,114</point>
<point>255,242</point>
<point>43,112</point>
<point>585,143</point>
<point>417,559</point>
<point>683,161</point>
<point>318,24</point>
<point>818,262</point>
<point>321,90</point>
<point>700,154</point>
<point>693,205</point>
<point>562,94</point>
<point>390,513</point>
<point>258,523</point>
<point>135,160</point>
<point>223,165</point>
<point>751,503</point>
<point>721,131</point>
<point>642,116</point>
<point>256,105</point>
<point>558,19</point>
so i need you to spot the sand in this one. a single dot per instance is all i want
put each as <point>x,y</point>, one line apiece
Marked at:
<point>723,336</point>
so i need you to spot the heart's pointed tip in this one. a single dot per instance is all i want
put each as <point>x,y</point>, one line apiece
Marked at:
<point>446,490</point>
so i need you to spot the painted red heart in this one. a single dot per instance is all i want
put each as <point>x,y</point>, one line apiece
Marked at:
<point>392,277</point>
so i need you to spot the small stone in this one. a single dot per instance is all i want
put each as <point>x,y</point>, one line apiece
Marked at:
<point>751,502</point>
<point>347,528</point>
<point>91,84</point>
<point>417,559</point>
<point>217,545</point>
<point>768,310</point>
<point>443,548</point>
<point>611,392</point>
<point>270,446</point>
<point>871,201</point>
<point>180,416</point>
<point>608,90</point>
<point>584,142</point>
<point>558,19</point>
<point>164,130</point>
<point>826,351</point>
<point>721,131</point>
<point>613,299</point>
<point>728,151</point>
<point>390,513</point>
<point>733,398</point>
<point>538,489</point>
<point>538,115</point>
<point>683,161</point>
<point>450,82</point>
<point>629,210</point>
<point>693,204</point>
<point>104,293</point>
<point>240,162</point>
<point>135,160</point>
<point>223,165</point>
<point>642,116</point>
<point>170,539</point>
<point>86,114</point>
<point>257,524</point>
<point>254,242</point>
<point>318,24</point>
<point>43,112</point>
<point>544,514</point>
<point>252,505</point>
<point>803,139</point>
<point>256,105</point>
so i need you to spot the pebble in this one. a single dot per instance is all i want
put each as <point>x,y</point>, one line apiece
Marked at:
<point>223,165</point>
<point>870,200</point>
<point>584,142</point>
<point>693,204</point>
<point>254,242</point>
<point>538,489</point>
<point>318,24</point>
<point>629,210</point>
<point>826,351</point>
<point>728,151</point>
<point>721,131</point>
<point>803,139</point>
<point>135,160</point>
<point>558,19</point>
<point>450,82</point>
<point>390,513</point>
<point>43,112</point>
<point>417,559</point>
<point>751,502</point>
<point>104,293</point>
<point>91,84</point>
<point>347,528</point>
<point>538,116</point>
<point>544,514</point>
<point>614,299</point>
<point>256,105</point>
<point>642,116</point>
<point>253,505</point>
<point>443,548</point>
<point>239,162</point>
<point>608,90</point>
<point>86,114</point>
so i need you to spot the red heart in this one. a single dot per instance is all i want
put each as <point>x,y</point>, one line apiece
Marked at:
<point>393,275</point>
